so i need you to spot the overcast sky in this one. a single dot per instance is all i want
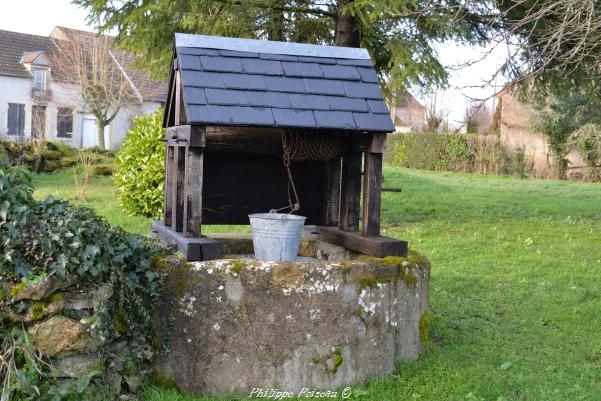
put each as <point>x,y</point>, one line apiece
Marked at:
<point>40,16</point>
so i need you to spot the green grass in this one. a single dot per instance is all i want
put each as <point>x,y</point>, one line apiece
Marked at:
<point>102,197</point>
<point>515,292</point>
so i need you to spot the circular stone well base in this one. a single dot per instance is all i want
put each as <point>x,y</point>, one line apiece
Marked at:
<point>230,325</point>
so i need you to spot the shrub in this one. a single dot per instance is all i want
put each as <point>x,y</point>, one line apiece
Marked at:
<point>448,152</point>
<point>140,167</point>
<point>53,156</point>
<point>53,238</point>
<point>523,163</point>
<point>587,141</point>
<point>489,155</point>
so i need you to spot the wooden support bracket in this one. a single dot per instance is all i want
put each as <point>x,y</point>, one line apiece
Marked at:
<point>379,247</point>
<point>369,143</point>
<point>193,249</point>
<point>186,135</point>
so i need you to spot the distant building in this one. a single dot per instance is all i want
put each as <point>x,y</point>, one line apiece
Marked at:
<point>31,98</point>
<point>408,114</point>
<point>516,134</point>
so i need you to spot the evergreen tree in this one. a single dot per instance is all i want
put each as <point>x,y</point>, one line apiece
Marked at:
<point>399,34</point>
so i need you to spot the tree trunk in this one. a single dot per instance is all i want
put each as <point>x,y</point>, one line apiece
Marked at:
<point>100,124</point>
<point>275,23</point>
<point>348,31</point>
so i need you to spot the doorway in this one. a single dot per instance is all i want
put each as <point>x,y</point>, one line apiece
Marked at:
<point>89,133</point>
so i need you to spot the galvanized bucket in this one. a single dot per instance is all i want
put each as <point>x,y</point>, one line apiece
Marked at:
<point>276,236</point>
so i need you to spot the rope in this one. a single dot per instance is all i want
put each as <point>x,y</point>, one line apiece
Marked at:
<point>305,144</point>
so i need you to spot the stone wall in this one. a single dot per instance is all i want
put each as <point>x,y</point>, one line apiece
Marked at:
<point>228,326</point>
<point>60,319</point>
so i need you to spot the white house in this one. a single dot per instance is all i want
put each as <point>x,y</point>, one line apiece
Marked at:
<point>31,99</point>
<point>408,114</point>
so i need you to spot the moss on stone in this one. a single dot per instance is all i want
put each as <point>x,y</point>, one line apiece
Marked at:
<point>370,283</point>
<point>236,266</point>
<point>165,264</point>
<point>286,274</point>
<point>407,275</point>
<point>121,324</point>
<point>177,269</point>
<point>416,259</point>
<point>38,310</point>
<point>406,265</point>
<point>164,381</point>
<point>424,328</point>
<point>308,247</point>
<point>336,361</point>
<point>56,297</point>
<point>346,267</point>
<point>17,289</point>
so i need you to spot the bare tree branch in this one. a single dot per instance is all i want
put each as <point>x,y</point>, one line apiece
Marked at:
<point>103,88</point>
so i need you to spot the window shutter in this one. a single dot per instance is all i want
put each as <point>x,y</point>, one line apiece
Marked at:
<point>16,119</point>
<point>11,120</point>
<point>64,122</point>
<point>21,111</point>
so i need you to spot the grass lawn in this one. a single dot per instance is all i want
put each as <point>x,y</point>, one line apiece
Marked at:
<point>515,292</point>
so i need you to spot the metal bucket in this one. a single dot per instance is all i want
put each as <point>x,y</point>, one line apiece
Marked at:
<point>276,236</point>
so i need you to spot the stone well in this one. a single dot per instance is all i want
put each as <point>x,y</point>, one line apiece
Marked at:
<point>230,325</point>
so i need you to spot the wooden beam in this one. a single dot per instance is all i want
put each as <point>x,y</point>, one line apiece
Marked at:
<point>193,192</point>
<point>180,108</point>
<point>186,135</point>
<point>169,119</point>
<point>168,200</point>
<point>244,140</point>
<point>331,202</point>
<point>372,194</point>
<point>177,192</point>
<point>350,191</point>
<point>193,249</point>
<point>379,247</point>
<point>369,143</point>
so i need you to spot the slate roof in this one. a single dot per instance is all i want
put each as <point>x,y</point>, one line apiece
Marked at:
<point>12,47</point>
<point>229,81</point>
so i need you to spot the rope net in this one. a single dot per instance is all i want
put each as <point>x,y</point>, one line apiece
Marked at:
<point>308,144</point>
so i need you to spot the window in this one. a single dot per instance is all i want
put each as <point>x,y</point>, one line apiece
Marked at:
<point>39,79</point>
<point>64,122</point>
<point>16,119</point>
<point>38,121</point>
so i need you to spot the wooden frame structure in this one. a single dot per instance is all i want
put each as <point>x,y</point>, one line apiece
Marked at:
<point>218,173</point>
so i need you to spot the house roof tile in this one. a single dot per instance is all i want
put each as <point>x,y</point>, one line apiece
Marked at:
<point>12,47</point>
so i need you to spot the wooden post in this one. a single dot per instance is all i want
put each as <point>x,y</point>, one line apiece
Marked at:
<point>193,192</point>
<point>372,193</point>
<point>350,196</point>
<point>331,201</point>
<point>168,207</point>
<point>177,192</point>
